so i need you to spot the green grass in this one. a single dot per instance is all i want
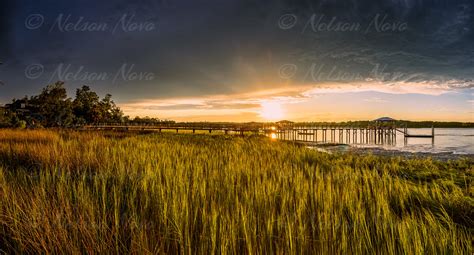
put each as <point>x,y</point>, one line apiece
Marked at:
<point>71,192</point>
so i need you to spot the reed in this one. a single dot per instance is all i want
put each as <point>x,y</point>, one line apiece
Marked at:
<point>73,192</point>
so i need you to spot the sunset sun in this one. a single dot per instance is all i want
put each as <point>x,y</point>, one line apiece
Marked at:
<point>272,110</point>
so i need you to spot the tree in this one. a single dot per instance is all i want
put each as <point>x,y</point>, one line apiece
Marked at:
<point>110,111</point>
<point>5,118</point>
<point>86,106</point>
<point>54,106</point>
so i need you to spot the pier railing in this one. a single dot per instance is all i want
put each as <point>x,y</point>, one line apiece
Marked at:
<point>308,135</point>
<point>338,135</point>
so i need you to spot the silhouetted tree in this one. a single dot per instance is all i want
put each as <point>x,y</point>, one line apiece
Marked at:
<point>54,106</point>
<point>5,118</point>
<point>86,106</point>
<point>110,111</point>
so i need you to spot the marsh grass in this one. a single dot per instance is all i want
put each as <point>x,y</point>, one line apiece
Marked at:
<point>73,192</point>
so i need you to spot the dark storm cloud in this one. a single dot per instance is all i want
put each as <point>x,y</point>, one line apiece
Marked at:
<point>219,47</point>
<point>436,42</point>
<point>5,28</point>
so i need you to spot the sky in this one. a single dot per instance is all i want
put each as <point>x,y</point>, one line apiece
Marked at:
<point>248,60</point>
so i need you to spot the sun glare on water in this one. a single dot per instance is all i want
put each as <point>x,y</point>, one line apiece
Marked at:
<point>271,110</point>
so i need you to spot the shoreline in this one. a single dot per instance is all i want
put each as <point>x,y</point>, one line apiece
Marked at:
<point>342,148</point>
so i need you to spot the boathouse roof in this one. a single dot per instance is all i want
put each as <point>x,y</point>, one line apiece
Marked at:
<point>385,119</point>
<point>285,122</point>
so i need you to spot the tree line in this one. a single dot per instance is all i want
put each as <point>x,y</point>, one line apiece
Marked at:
<point>398,123</point>
<point>53,108</point>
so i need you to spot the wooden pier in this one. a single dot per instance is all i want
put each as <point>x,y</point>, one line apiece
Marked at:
<point>310,135</point>
<point>208,128</point>
<point>408,135</point>
<point>337,135</point>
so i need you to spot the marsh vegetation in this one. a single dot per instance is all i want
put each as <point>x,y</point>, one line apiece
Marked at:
<point>92,192</point>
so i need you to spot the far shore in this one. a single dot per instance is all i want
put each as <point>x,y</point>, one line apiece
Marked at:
<point>344,148</point>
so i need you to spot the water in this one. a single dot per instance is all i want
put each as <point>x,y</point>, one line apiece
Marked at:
<point>447,140</point>
<point>459,141</point>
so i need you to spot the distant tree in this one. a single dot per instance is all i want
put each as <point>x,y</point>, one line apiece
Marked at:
<point>54,106</point>
<point>148,120</point>
<point>86,106</point>
<point>5,117</point>
<point>110,111</point>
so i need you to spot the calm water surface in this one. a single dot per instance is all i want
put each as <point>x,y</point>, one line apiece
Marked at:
<point>452,140</point>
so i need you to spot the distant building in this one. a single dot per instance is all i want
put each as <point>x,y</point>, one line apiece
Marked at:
<point>384,119</point>
<point>20,106</point>
<point>285,122</point>
<point>24,109</point>
<point>385,122</point>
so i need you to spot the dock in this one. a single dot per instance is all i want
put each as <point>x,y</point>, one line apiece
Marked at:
<point>208,128</point>
<point>407,135</point>
<point>308,135</point>
<point>337,135</point>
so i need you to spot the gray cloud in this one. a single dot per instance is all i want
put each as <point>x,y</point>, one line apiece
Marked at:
<point>202,48</point>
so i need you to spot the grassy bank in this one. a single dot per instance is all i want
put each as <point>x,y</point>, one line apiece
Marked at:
<point>76,192</point>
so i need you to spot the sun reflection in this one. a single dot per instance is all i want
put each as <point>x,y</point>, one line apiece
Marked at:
<point>273,136</point>
<point>271,110</point>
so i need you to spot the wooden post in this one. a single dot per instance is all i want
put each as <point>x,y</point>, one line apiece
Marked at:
<point>433,135</point>
<point>405,138</point>
<point>394,136</point>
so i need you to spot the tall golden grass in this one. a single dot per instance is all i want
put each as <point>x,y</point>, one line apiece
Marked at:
<point>70,192</point>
